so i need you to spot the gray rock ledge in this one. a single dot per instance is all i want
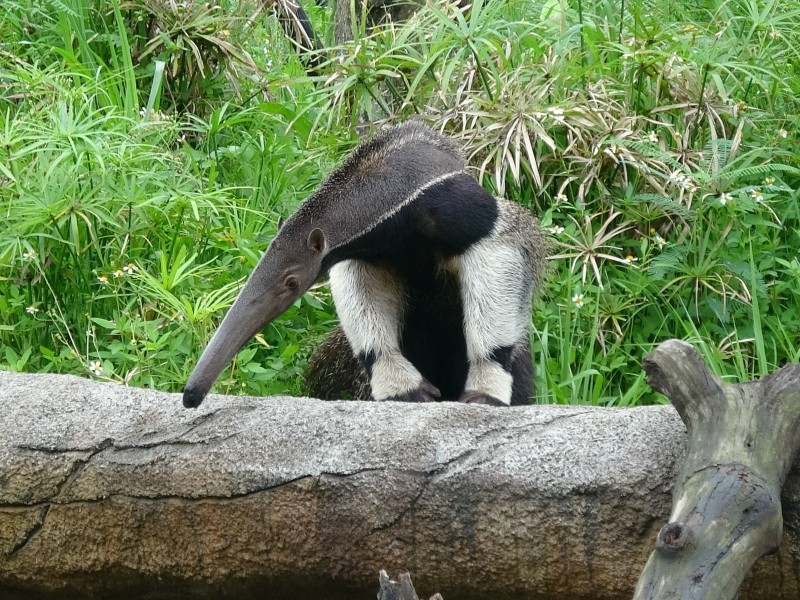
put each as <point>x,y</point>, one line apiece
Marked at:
<point>115,492</point>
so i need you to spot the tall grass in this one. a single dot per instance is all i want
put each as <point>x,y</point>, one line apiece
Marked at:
<point>141,176</point>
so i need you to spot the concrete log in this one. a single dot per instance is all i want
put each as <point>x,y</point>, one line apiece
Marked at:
<point>113,492</point>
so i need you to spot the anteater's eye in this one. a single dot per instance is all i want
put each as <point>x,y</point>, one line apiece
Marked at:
<point>291,283</point>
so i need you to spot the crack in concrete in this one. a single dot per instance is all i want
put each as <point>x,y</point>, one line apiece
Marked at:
<point>157,498</point>
<point>30,533</point>
<point>444,469</point>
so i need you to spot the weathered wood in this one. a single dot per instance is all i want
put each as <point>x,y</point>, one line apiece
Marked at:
<point>726,511</point>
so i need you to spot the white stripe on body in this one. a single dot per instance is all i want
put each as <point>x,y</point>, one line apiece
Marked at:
<point>370,304</point>
<point>399,207</point>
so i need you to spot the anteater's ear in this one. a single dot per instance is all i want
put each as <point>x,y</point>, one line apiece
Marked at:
<point>281,221</point>
<point>316,240</point>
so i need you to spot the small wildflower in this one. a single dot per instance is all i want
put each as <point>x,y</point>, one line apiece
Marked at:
<point>630,259</point>
<point>89,332</point>
<point>741,105</point>
<point>769,181</point>
<point>95,368</point>
<point>556,112</point>
<point>31,310</point>
<point>577,300</point>
<point>782,133</point>
<point>118,273</point>
<point>660,242</point>
<point>29,255</point>
<point>677,176</point>
<point>129,268</point>
<point>724,198</point>
<point>774,34</point>
<point>689,185</point>
<point>103,279</point>
<point>556,229</point>
<point>561,198</point>
<point>757,195</point>
<point>652,137</point>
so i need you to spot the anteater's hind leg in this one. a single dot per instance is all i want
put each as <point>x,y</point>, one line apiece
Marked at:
<point>496,291</point>
<point>370,302</point>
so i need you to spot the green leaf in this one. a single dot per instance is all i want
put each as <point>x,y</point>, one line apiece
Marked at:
<point>104,323</point>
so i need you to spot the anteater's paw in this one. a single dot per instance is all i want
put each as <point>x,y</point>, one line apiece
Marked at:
<point>473,397</point>
<point>426,392</point>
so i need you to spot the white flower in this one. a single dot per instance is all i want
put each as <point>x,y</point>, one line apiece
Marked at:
<point>782,133</point>
<point>677,176</point>
<point>95,368</point>
<point>577,300</point>
<point>561,198</point>
<point>31,310</point>
<point>103,279</point>
<point>652,137</point>
<point>556,229</point>
<point>689,185</point>
<point>724,198</point>
<point>630,259</point>
<point>118,273</point>
<point>29,255</point>
<point>555,111</point>
<point>769,181</point>
<point>129,268</point>
<point>660,242</point>
<point>757,195</point>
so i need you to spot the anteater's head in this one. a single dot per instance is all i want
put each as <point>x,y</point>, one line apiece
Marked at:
<point>291,264</point>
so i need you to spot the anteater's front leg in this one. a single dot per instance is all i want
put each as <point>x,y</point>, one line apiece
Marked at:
<point>496,287</point>
<point>369,300</point>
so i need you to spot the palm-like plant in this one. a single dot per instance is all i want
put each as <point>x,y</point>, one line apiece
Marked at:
<point>591,245</point>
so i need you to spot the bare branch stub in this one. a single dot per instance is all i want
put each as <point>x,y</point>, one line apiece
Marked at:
<point>726,509</point>
<point>399,590</point>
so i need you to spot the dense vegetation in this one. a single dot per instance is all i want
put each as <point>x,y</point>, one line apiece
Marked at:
<point>148,147</point>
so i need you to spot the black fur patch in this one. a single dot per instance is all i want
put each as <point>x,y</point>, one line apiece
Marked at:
<point>455,213</point>
<point>433,331</point>
<point>502,356</point>
<point>367,360</point>
<point>522,371</point>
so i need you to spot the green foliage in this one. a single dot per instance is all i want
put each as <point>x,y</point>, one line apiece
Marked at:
<point>148,147</point>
